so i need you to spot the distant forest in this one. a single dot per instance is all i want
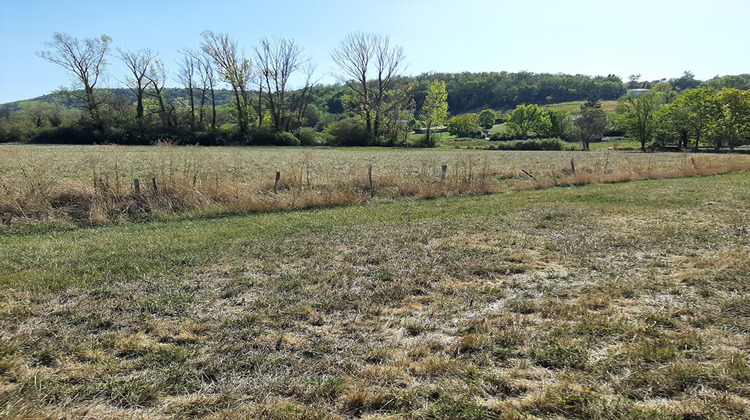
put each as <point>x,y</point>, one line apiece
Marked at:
<point>470,92</point>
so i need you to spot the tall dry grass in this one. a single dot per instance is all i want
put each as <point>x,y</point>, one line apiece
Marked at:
<point>94,185</point>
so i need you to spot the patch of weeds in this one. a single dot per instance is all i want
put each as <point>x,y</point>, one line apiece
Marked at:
<point>470,343</point>
<point>597,326</point>
<point>415,329</point>
<point>165,354</point>
<point>673,380</point>
<point>559,356</point>
<point>737,307</point>
<point>370,399</point>
<point>522,306</point>
<point>569,400</point>
<point>134,392</point>
<point>458,409</point>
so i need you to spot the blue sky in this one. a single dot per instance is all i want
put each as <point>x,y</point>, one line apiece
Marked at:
<point>657,39</point>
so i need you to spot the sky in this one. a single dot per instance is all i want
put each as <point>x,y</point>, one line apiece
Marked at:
<point>654,38</point>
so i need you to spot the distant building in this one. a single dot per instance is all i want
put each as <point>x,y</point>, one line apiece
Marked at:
<point>637,92</point>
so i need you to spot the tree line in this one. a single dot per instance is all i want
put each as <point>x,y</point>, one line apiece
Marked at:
<point>230,96</point>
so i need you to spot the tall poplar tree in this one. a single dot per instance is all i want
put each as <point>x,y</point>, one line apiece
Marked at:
<point>435,107</point>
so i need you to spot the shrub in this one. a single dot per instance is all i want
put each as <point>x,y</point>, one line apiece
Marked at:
<point>487,118</point>
<point>422,141</point>
<point>538,144</point>
<point>285,138</point>
<point>502,135</point>
<point>348,132</point>
<point>309,137</point>
<point>466,125</point>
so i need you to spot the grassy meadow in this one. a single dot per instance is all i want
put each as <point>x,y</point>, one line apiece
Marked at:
<point>600,300</point>
<point>93,185</point>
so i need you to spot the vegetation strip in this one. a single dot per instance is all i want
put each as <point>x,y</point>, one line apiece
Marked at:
<point>91,185</point>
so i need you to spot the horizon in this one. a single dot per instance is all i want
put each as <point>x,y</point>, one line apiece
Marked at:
<point>670,37</point>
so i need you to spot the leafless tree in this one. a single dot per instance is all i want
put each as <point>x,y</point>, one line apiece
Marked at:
<point>234,69</point>
<point>188,67</point>
<point>277,62</point>
<point>157,77</point>
<point>139,64</point>
<point>85,60</point>
<point>370,66</point>
<point>208,82</point>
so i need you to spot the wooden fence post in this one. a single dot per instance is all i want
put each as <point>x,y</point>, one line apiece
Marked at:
<point>137,187</point>
<point>276,184</point>
<point>372,186</point>
<point>156,189</point>
<point>694,165</point>
<point>572,165</point>
<point>444,174</point>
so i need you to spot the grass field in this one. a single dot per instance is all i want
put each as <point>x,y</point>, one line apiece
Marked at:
<point>605,301</point>
<point>575,107</point>
<point>93,185</point>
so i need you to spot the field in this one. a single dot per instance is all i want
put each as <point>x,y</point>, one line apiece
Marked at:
<point>600,300</point>
<point>575,107</point>
<point>92,185</point>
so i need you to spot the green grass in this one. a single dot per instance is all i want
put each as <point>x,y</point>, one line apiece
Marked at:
<point>574,107</point>
<point>603,301</point>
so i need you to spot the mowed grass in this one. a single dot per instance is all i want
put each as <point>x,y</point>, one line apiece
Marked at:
<point>614,301</point>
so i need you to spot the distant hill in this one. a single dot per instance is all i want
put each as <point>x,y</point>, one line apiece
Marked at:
<point>470,92</point>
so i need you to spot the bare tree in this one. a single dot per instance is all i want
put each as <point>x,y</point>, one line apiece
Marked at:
<point>139,64</point>
<point>370,66</point>
<point>208,81</point>
<point>85,60</point>
<point>188,66</point>
<point>277,62</point>
<point>234,69</point>
<point>157,77</point>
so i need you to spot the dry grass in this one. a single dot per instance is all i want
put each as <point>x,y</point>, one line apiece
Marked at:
<point>89,185</point>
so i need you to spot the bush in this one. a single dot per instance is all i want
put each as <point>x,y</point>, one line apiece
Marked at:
<point>537,144</point>
<point>348,132</point>
<point>502,136</point>
<point>421,141</point>
<point>309,137</point>
<point>75,134</point>
<point>285,138</point>
<point>266,136</point>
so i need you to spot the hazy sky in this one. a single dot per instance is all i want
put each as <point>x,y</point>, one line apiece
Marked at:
<point>654,38</point>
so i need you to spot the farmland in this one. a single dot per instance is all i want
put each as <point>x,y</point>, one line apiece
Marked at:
<point>504,299</point>
<point>91,185</point>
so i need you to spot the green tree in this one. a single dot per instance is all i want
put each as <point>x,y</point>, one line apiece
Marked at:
<point>487,118</point>
<point>592,122</point>
<point>559,125</point>
<point>466,125</point>
<point>697,111</point>
<point>636,116</point>
<point>733,122</point>
<point>435,107</point>
<point>35,112</point>
<point>526,120</point>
